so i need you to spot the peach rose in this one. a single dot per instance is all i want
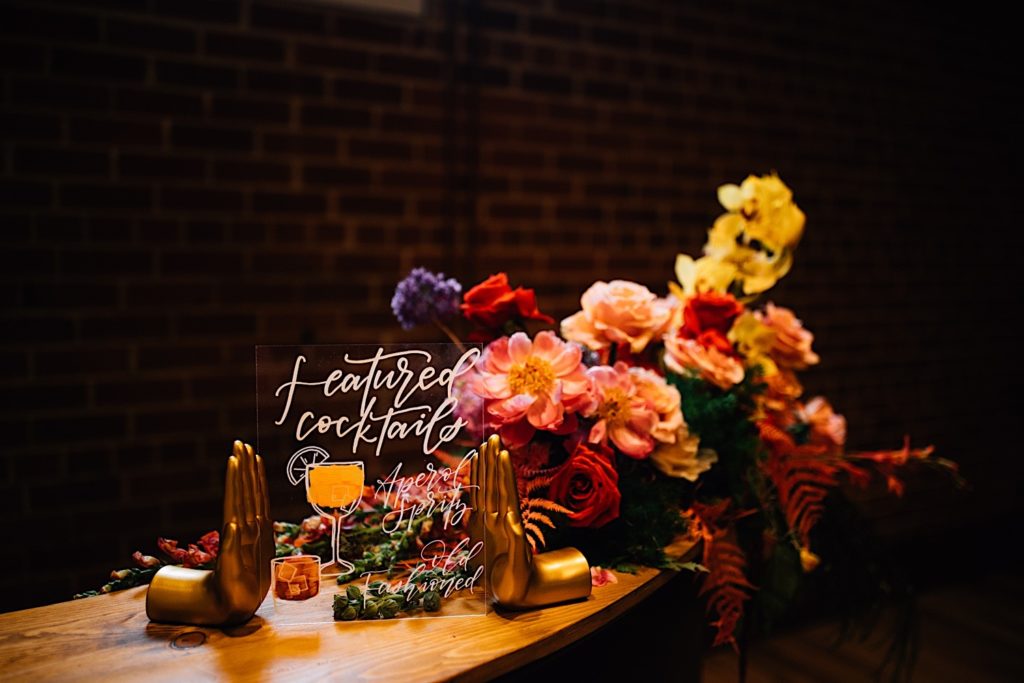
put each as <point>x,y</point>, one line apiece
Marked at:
<point>689,356</point>
<point>529,385</point>
<point>827,426</point>
<point>619,312</point>
<point>663,398</point>
<point>792,345</point>
<point>683,459</point>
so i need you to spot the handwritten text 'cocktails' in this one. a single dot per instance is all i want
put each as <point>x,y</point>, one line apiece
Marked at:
<point>435,423</point>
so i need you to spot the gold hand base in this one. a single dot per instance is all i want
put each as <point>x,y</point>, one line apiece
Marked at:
<point>231,593</point>
<point>558,576</point>
<point>516,578</point>
<point>184,596</point>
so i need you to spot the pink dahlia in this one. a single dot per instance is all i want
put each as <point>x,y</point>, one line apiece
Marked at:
<point>624,415</point>
<point>530,385</point>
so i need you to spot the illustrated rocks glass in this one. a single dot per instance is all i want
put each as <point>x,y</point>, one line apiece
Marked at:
<point>296,577</point>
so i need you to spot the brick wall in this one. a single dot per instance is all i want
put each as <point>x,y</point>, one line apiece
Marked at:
<point>183,179</point>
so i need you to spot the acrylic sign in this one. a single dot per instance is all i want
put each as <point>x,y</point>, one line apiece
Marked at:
<point>368,450</point>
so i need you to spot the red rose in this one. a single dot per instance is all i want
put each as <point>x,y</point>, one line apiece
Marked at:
<point>710,311</point>
<point>588,485</point>
<point>713,339</point>
<point>492,303</point>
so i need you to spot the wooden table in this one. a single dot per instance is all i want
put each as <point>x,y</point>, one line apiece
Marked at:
<point>109,638</point>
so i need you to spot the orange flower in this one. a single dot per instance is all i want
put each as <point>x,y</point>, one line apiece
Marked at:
<point>782,389</point>
<point>619,312</point>
<point>791,347</point>
<point>690,356</point>
<point>492,303</point>
<point>664,399</point>
<point>827,426</point>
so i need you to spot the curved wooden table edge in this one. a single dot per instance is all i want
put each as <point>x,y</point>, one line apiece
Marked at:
<point>682,550</point>
<point>49,642</point>
<point>544,646</point>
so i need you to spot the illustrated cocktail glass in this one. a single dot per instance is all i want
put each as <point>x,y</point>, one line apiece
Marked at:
<point>296,577</point>
<point>335,489</point>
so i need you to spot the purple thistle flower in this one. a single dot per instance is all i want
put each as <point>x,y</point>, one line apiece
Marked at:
<point>423,297</point>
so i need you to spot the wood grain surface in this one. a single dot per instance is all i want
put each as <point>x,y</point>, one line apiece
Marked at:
<point>109,638</point>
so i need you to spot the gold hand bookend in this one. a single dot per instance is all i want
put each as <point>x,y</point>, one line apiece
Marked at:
<point>231,593</point>
<point>516,578</point>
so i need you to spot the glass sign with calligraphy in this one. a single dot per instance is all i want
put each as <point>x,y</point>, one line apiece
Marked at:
<point>368,450</point>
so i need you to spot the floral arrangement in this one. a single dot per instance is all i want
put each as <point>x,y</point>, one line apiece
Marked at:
<point>648,417</point>
<point>643,420</point>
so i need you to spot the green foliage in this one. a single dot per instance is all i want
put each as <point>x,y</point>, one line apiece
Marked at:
<point>380,602</point>
<point>122,579</point>
<point>722,420</point>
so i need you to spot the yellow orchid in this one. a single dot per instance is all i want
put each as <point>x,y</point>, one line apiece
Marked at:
<point>766,211</point>
<point>751,246</point>
<point>706,274</point>
<point>758,235</point>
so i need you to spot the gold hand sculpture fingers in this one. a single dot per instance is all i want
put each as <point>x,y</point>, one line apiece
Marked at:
<point>516,578</point>
<point>231,593</point>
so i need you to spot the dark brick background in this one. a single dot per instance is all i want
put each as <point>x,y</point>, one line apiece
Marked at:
<point>183,179</point>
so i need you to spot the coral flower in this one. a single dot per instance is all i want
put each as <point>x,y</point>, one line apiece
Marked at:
<point>689,356</point>
<point>619,312</point>
<point>792,345</point>
<point>624,415</point>
<point>529,385</point>
<point>663,398</point>
<point>827,426</point>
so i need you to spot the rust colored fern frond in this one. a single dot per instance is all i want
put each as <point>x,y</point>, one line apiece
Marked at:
<point>530,481</point>
<point>726,585</point>
<point>886,463</point>
<point>533,520</point>
<point>802,483</point>
<point>550,506</point>
<point>542,518</point>
<point>533,506</point>
<point>535,535</point>
<point>802,476</point>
